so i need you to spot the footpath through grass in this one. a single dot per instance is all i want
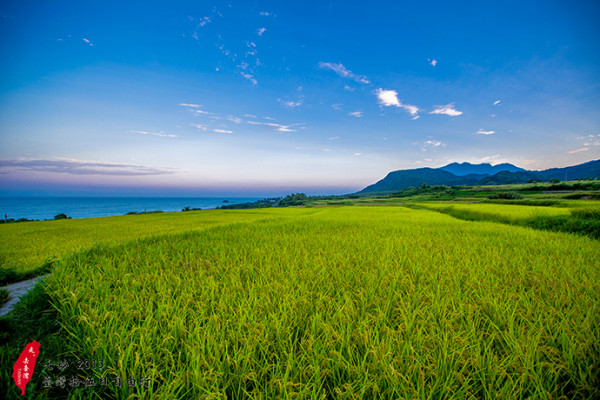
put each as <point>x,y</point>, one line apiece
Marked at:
<point>341,302</point>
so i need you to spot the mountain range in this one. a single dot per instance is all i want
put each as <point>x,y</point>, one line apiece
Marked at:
<point>477,174</point>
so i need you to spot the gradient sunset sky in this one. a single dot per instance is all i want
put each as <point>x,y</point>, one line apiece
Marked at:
<point>264,98</point>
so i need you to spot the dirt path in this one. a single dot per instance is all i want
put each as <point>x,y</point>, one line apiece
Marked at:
<point>18,290</point>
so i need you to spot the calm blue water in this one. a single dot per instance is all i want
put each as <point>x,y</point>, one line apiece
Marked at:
<point>87,207</point>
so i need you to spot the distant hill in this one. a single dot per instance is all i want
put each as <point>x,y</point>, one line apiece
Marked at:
<point>466,168</point>
<point>406,178</point>
<point>590,169</point>
<point>469,174</point>
<point>507,178</point>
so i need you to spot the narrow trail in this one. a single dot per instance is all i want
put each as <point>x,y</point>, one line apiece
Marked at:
<point>16,291</point>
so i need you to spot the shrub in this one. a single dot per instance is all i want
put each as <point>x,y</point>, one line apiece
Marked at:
<point>506,196</point>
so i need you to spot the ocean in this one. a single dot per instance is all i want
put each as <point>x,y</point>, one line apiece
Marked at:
<point>88,207</point>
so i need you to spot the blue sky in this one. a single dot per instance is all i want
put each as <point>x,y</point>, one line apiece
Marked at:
<point>267,98</point>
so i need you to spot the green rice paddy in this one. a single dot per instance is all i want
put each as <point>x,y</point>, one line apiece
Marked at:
<point>324,303</point>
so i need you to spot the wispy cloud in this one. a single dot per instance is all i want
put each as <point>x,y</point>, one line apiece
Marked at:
<point>356,114</point>
<point>448,109</point>
<point>357,154</point>
<point>200,126</point>
<point>484,132</point>
<point>261,31</point>
<point>80,167</point>
<point>433,62</point>
<point>250,77</point>
<point>190,105</point>
<point>277,127</point>
<point>334,138</point>
<point>265,13</point>
<point>290,103</point>
<point>578,150</point>
<point>434,143</point>
<point>337,107</point>
<point>497,102</point>
<point>207,129</point>
<point>88,42</point>
<point>592,140</point>
<point>162,134</point>
<point>389,98</point>
<point>343,72</point>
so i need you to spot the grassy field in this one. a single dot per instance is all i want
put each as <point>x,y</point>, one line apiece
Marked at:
<point>496,212</point>
<point>27,247</point>
<point>332,303</point>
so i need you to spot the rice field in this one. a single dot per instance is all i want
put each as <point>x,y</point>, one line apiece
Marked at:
<point>27,246</point>
<point>499,212</point>
<point>337,303</point>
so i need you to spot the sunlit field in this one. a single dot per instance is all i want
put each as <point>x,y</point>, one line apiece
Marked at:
<point>27,246</point>
<point>506,212</point>
<point>337,302</point>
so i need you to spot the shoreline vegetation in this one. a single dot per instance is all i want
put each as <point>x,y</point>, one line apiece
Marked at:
<point>420,293</point>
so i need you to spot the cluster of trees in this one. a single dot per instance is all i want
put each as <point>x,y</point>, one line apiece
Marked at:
<point>437,191</point>
<point>270,202</point>
<point>295,199</point>
<point>12,220</point>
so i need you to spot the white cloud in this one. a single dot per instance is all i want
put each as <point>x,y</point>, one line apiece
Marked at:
<point>162,134</point>
<point>250,78</point>
<point>592,140</point>
<point>334,138</point>
<point>200,126</point>
<point>484,132</point>
<point>356,114</point>
<point>277,127</point>
<point>233,119</point>
<point>448,109</point>
<point>203,21</point>
<point>265,13</point>
<point>434,143</point>
<point>337,107</point>
<point>190,105</point>
<point>357,154</point>
<point>578,150</point>
<point>261,31</point>
<point>433,62</point>
<point>202,112</point>
<point>207,129</point>
<point>87,41</point>
<point>250,116</point>
<point>343,72</point>
<point>497,102</point>
<point>290,103</point>
<point>389,98</point>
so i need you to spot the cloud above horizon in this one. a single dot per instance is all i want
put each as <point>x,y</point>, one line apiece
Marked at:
<point>80,167</point>
<point>277,127</point>
<point>448,109</point>
<point>343,72</point>
<point>484,132</point>
<point>162,134</point>
<point>389,98</point>
<point>578,150</point>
